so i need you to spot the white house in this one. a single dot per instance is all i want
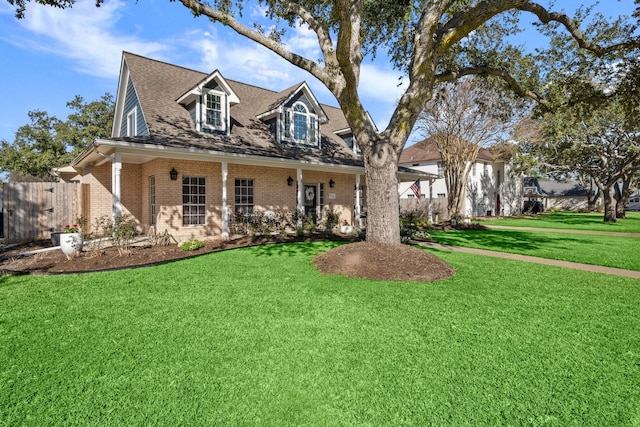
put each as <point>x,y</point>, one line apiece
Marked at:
<point>487,193</point>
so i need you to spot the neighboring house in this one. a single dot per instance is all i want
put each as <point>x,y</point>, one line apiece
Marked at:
<point>190,150</point>
<point>486,193</point>
<point>555,195</point>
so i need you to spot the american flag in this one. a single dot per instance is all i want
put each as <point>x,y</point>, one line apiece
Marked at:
<point>415,187</point>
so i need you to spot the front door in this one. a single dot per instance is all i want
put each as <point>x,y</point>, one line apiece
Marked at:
<point>310,200</point>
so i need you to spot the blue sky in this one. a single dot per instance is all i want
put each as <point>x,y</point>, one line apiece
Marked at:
<point>53,55</point>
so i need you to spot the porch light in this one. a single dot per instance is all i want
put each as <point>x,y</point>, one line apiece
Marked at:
<point>331,183</point>
<point>173,174</point>
<point>289,181</point>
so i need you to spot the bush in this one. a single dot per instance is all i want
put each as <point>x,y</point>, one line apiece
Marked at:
<point>192,245</point>
<point>122,234</point>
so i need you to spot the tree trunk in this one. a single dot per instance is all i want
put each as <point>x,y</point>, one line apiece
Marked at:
<point>383,205</point>
<point>622,195</point>
<point>609,205</point>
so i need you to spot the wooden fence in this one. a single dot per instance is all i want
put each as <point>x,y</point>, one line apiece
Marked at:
<point>33,210</point>
<point>439,208</point>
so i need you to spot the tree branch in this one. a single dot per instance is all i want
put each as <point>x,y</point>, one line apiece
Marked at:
<point>327,77</point>
<point>349,47</point>
<point>463,23</point>
<point>504,75</point>
<point>324,38</point>
<point>545,17</point>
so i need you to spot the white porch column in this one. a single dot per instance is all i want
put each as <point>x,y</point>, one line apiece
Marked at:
<point>225,209</point>
<point>431,201</point>
<point>116,191</point>
<point>357,211</point>
<point>300,206</point>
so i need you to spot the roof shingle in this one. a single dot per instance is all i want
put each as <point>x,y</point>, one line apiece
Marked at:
<point>159,84</point>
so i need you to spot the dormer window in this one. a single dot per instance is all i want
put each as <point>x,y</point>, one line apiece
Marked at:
<point>214,112</point>
<point>300,125</point>
<point>209,104</point>
<point>349,139</point>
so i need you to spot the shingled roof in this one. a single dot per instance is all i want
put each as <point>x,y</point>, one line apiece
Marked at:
<point>158,85</point>
<point>426,150</point>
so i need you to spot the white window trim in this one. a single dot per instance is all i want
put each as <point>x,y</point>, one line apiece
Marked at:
<point>356,147</point>
<point>190,204</point>
<point>132,122</point>
<point>224,107</point>
<point>291,125</point>
<point>152,200</point>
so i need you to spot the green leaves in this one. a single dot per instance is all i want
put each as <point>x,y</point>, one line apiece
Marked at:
<point>48,142</point>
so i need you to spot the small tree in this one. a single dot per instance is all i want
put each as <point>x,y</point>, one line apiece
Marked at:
<point>461,119</point>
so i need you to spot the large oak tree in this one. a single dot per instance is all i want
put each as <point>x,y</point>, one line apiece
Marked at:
<point>48,142</point>
<point>590,123</point>
<point>431,41</point>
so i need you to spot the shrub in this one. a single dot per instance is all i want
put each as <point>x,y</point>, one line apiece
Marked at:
<point>192,245</point>
<point>160,239</point>
<point>122,234</point>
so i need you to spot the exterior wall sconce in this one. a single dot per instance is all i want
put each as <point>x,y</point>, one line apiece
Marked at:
<point>289,181</point>
<point>331,183</point>
<point>173,174</point>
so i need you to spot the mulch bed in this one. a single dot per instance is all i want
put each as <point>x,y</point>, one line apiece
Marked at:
<point>357,259</point>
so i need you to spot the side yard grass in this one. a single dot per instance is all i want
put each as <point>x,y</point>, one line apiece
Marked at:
<point>256,336</point>
<point>618,252</point>
<point>572,220</point>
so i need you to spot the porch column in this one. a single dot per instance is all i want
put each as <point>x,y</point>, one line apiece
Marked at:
<point>225,209</point>
<point>431,201</point>
<point>300,198</point>
<point>116,171</point>
<point>357,211</point>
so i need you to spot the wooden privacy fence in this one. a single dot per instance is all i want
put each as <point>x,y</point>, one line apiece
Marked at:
<point>33,210</point>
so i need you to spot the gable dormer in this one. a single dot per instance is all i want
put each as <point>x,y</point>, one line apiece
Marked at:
<point>209,103</point>
<point>349,139</point>
<point>129,119</point>
<point>296,117</point>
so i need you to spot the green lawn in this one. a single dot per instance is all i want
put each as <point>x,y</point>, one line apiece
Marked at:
<point>572,220</point>
<point>256,336</point>
<point>618,252</point>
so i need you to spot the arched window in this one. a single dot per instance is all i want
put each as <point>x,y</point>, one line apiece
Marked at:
<point>300,115</point>
<point>300,125</point>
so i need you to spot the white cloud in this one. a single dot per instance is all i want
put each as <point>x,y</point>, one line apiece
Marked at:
<point>304,42</point>
<point>380,89</point>
<point>380,83</point>
<point>83,34</point>
<point>238,58</point>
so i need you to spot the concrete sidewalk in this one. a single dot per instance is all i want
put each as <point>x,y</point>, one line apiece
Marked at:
<point>526,258</point>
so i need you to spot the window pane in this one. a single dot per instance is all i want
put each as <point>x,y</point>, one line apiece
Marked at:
<point>300,126</point>
<point>244,196</point>
<point>287,124</point>
<point>312,130</point>
<point>194,201</point>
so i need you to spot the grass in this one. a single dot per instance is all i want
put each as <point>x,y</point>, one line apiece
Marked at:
<point>618,252</point>
<point>573,220</point>
<point>256,336</point>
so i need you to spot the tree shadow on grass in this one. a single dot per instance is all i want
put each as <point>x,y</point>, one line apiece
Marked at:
<point>504,240</point>
<point>294,248</point>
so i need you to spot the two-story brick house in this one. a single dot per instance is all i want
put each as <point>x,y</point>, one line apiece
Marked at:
<point>188,150</point>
